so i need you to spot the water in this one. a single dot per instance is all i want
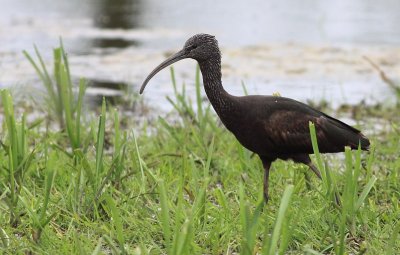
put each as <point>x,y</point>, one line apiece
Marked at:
<point>303,49</point>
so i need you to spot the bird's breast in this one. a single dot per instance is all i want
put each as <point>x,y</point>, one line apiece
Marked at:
<point>249,133</point>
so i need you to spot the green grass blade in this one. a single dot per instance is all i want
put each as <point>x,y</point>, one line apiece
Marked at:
<point>116,219</point>
<point>47,80</point>
<point>4,238</point>
<point>173,80</point>
<point>65,97</point>
<point>183,238</point>
<point>222,201</point>
<point>249,222</point>
<point>244,89</point>
<point>32,214</point>
<point>117,134</point>
<point>99,247</point>
<point>100,145</point>
<point>327,180</point>
<point>285,201</point>
<point>68,74</point>
<point>41,75</point>
<point>139,161</point>
<point>51,173</point>
<point>44,76</point>
<point>365,192</point>
<point>22,144</point>
<point>199,206</point>
<point>165,216</point>
<point>11,182</point>
<point>210,152</point>
<point>390,250</point>
<point>11,125</point>
<point>314,143</point>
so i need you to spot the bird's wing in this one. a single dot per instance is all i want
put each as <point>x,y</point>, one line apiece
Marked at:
<point>288,129</point>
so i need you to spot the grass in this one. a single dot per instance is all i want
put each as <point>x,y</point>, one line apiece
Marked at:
<point>184,187</point>
<point>60,98</point>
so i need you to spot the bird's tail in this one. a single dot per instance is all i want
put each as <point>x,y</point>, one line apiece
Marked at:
<point>354,138</point>
<point>345,135</point>
<point>364,142</point>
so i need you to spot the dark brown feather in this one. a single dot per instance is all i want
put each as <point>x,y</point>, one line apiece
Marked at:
<point>279,126</point>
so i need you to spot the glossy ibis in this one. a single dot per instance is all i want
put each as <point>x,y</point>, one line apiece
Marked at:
<point>272,127</point>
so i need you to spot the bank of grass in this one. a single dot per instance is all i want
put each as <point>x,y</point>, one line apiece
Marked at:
<point>186,186</point>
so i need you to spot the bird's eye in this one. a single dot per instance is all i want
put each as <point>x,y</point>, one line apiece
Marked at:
<point>192,47</point>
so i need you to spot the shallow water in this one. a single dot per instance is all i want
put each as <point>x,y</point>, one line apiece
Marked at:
<point>307,50</point>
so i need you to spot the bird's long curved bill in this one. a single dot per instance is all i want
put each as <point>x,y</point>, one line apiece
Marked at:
<point>172,59</point>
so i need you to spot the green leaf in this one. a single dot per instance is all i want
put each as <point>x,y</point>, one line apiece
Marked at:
<point>285,201</point>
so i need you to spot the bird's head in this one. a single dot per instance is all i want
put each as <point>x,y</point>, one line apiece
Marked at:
<point>200,47</point>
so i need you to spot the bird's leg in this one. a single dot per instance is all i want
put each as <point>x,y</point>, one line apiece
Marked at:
<point>305,159</point>
<point>266,164</point>
<point>314,169</point>
<point>266,178</point>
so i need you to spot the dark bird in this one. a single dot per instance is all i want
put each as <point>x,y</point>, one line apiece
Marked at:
<point>272,127</point>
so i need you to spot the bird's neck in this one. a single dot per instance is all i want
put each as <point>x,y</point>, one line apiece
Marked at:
<point>219,98</point>
<point>224,104</point>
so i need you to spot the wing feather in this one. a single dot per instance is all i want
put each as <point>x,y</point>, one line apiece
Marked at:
<point>289,130</point>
